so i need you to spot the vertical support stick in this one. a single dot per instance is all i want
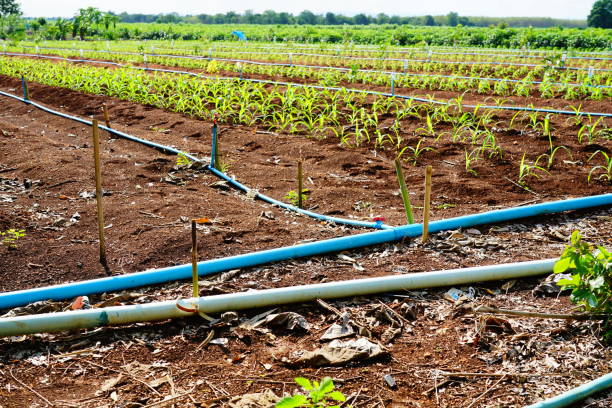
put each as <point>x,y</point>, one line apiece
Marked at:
<point>106,117</point>
<point>393,84</point>
<point>96,143</point>
<point>194,258</point>
<point>427,203</point>
<point>404,191</point>
<point>299,183</point>
<point>24,86</point>
<point>214,151</point>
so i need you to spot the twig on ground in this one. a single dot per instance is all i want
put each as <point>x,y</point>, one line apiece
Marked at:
<point>434,388</point>
<point>133,377</point>
<point>491,388</point>
<point>486,309</point>
<point>523,187</point>
<point>61,183</point>
<point>24,385</point>
<point>164,401</point>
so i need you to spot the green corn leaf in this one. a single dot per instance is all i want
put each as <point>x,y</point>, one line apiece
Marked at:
<point>304,383</point>
<point>292,402</point>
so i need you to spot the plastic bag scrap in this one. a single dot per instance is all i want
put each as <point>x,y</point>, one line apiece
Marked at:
<point>339,352</point>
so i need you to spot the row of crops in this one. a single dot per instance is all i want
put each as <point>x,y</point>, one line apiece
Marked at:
<point>486,77</point>
<point>402,128</point>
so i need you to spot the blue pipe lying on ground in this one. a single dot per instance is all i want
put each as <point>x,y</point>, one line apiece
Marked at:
<point>577,394</point>
<point>155,276</point>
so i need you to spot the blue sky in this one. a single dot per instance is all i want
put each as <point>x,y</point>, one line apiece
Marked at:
<point>570,9</point>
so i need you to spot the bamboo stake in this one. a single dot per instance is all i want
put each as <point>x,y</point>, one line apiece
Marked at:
<point>194,258</point>
<point>299,183</point>
<point>106,117</point>
<point>96,143</point>
<point>404,191</point>
<point>427,203</point>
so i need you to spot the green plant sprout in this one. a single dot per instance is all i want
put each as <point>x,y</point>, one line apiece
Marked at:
<point>320,395</point>
<point>415,152</point>
<point>11,236</point>
<point>591,278</point>
<point>182,160</point>
<point>606,170</point>
<point>292,196</point>
<point>552,150</point>
<point>471,158</point>
<point>528,170</point>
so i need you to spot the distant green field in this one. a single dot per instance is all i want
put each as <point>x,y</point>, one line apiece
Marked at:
<point>551,38</point>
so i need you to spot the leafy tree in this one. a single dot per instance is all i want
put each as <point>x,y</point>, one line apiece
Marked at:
<point>361,19</point>
<point>62,27</point>
<point>85,21</point>
<point>601,14</point>
<point>307,17</point>
<point>9,8</point>
<point>109,19</point>
<point>452,19</point>
<point>11,24</point>
<point>330,18</point>
<point>429,20</point>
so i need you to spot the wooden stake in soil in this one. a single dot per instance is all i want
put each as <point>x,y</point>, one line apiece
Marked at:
<point>194,258</point>
<point>426,205</point>
<point>106,117</point>
<point>96,143</point>
<point>404,191</point>
<point>299,183</point>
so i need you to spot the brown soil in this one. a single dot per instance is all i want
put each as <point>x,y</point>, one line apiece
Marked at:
<point>47,163</point>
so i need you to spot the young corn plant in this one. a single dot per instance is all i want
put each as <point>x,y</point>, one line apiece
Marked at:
<point>415,152</point>
<point>552,150</point>
<point>428,130</point>
<point>527,170</point>
<point>589,130</point>
<point>471,158</point>
<point>605,170</point>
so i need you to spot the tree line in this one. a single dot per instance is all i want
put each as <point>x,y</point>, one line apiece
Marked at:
<point>309,18</point>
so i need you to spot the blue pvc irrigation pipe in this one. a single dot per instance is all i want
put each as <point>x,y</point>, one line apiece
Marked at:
<point>156,276</point>
<point>363,91</point>
<point>234,183</point>
<point>577,394</point>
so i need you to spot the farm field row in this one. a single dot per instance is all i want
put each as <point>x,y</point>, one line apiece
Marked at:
<point>348,53</point>
<point>485,79</point>
<point>394,127</point>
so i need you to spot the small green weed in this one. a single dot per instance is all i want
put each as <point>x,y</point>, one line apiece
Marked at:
<point>320,395</point>
<point>292,196</point>
<point>10,237</point>
<point>182,160</point>
<point>591,278</point>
